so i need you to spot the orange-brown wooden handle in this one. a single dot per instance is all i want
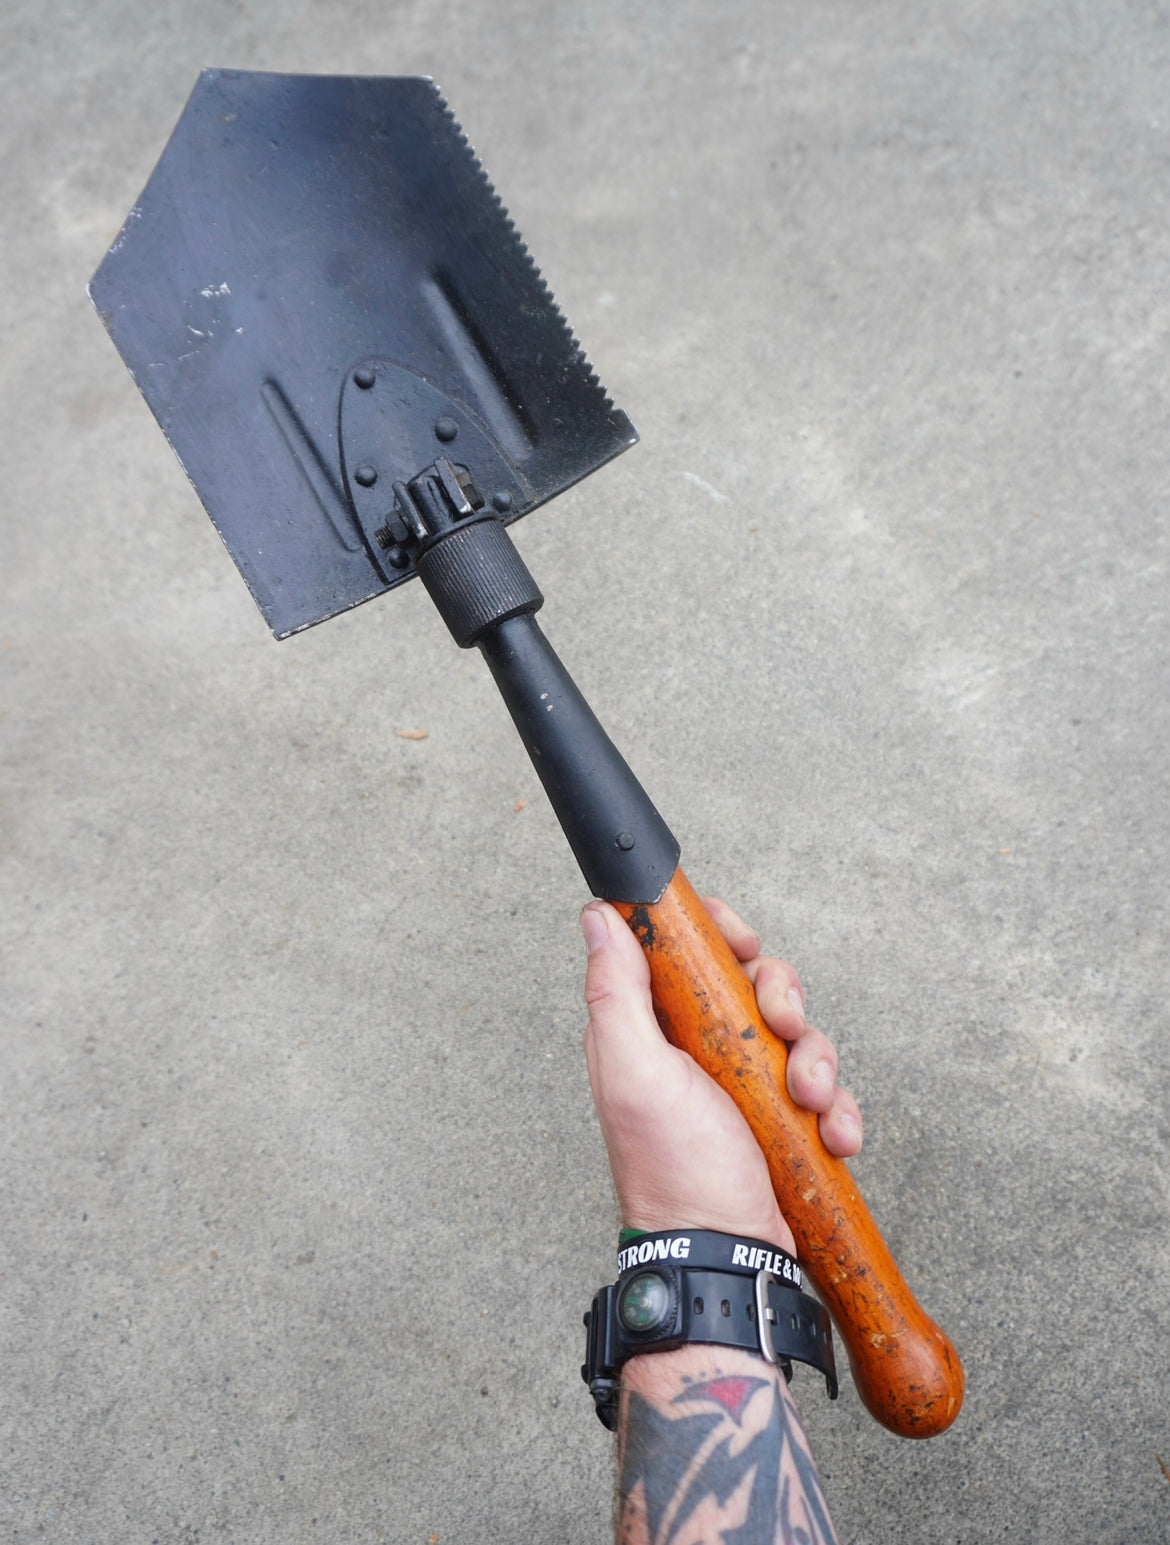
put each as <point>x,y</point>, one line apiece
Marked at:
<point>906,1370</point>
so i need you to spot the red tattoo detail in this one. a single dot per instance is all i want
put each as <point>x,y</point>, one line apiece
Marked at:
<point>731,1393</point>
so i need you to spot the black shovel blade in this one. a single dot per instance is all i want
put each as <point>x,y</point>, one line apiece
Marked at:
<point>319,294</point>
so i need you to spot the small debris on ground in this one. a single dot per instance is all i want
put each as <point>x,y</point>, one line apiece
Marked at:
<point>412,734</point>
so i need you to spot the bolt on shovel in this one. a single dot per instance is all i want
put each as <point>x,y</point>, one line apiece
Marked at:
<point>359,366</point>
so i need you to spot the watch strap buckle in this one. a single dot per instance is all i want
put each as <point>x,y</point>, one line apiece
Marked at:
<point>802,1333</point>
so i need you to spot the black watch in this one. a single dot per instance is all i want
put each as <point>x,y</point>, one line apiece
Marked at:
<point>694,1285</point>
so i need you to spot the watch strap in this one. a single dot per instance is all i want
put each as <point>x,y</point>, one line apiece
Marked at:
<point>758,1313</point>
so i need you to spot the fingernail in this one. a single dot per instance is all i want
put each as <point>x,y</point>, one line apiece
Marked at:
<point>822,1074</point>
<point>851,1123</point>
<point>796,1001</point>
<point>594,927</point>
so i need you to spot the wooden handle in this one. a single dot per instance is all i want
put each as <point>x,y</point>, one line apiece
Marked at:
<point>906,1370</point>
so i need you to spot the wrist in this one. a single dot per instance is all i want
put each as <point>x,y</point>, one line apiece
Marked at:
<point>769,1227</point>
<point>664,1375</point>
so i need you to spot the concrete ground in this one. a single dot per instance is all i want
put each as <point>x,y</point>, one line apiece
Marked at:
<point>302,1192</point>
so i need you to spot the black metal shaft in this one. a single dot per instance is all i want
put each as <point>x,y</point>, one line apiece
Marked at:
<point>486,596</point>
<point>625,849</point>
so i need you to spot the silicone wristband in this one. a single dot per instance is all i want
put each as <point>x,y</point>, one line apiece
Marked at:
<point>705,1250</point>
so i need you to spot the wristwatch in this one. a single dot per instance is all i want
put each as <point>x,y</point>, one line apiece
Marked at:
<point>682,1286</point>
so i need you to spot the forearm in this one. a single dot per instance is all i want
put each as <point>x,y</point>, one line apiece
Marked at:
<point>709,1442</point>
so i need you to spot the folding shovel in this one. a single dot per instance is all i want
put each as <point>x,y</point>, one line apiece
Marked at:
<point>365,378</point>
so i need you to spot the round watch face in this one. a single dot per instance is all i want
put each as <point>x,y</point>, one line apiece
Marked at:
<point>645,1303</point>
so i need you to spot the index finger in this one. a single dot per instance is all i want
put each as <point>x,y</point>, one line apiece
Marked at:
<point>744,940</point>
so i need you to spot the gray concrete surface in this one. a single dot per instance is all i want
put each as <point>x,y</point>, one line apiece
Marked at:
<point>302,1196</point>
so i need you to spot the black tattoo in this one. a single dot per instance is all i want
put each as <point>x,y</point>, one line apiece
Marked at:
<point>750,1469</point>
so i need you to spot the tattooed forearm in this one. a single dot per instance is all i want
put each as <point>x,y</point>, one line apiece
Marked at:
<point>711,1452</point>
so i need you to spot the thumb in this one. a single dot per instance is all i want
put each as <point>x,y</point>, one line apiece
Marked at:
<point>623,1035</point>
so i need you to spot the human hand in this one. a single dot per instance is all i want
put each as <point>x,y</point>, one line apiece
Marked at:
<point>682,1155</point>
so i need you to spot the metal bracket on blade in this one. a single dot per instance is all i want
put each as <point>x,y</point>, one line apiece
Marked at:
<point>413,459</point>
